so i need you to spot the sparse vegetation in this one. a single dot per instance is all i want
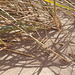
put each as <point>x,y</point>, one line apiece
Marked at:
<point>37,20</point>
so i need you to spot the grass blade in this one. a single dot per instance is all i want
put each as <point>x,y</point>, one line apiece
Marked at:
<point>60,5</point>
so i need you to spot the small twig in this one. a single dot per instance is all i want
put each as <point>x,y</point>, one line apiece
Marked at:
<point>17,52</point>
<point>59,21</point>
<point>55,16</point>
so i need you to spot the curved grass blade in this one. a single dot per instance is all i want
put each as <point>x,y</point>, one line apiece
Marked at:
<point>60,5</point>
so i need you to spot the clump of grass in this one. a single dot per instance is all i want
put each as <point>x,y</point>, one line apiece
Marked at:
<point>25,17</point>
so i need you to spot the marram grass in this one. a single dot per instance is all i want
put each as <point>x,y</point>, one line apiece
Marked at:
<point>60,5</point>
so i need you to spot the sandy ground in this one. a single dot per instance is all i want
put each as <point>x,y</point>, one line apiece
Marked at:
<point>42,64</point>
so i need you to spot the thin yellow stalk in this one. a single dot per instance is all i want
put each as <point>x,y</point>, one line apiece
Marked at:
<point>3,42</point>
<point>17,52</point>
<point>59,21</point>
<point>55,16</point>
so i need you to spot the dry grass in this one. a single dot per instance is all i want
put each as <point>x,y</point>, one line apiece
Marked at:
<point>31,16</point>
